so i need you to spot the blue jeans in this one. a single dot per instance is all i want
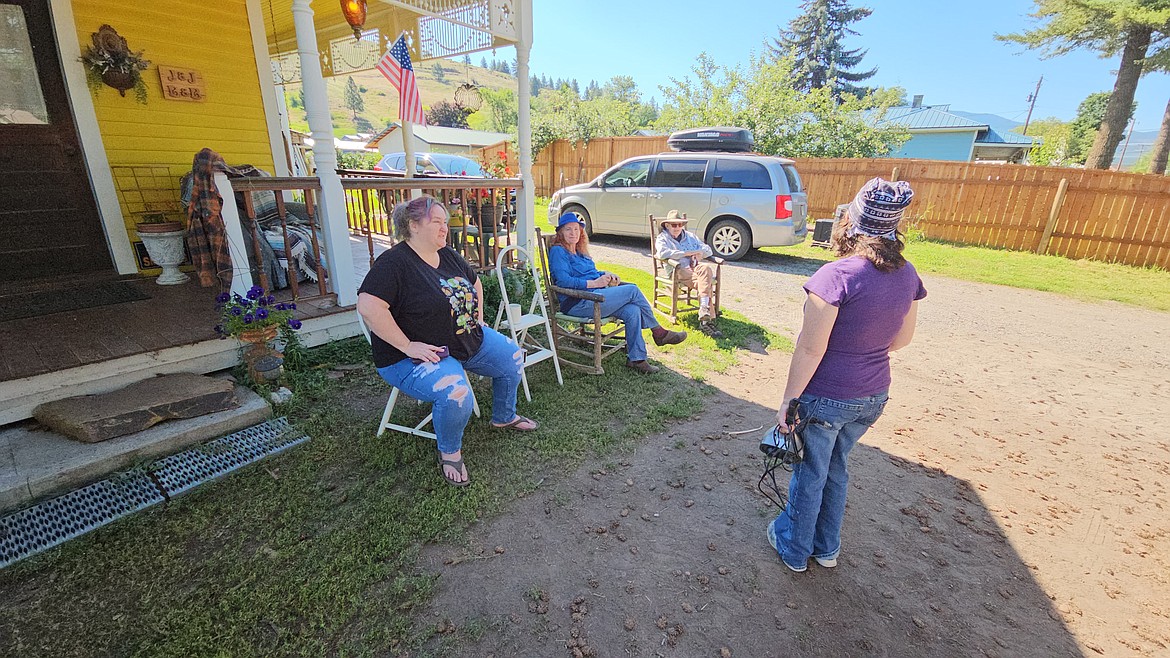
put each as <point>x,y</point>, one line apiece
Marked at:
<point>811,524</point>
<point>627,303</point>
<point>445,386</point>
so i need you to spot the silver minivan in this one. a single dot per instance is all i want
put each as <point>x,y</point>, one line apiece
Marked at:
<point>735,201</point>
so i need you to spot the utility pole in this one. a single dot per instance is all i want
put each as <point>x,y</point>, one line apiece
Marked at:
<point>1132,123</point>
<point>1032,100</point>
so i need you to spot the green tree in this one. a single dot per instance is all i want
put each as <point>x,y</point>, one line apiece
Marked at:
<point>1135,29</point>
<point>1055,148</point>
<point>1090,114</point>
<point>446,113</point>
<point>438,73</point>
<point>815,38</point>
<point>353,98</point>
<point>501,109</point>
<point>467,60</point>
<point>784,119</point>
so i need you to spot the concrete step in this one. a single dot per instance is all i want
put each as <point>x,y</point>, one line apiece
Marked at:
<point>36,463</point>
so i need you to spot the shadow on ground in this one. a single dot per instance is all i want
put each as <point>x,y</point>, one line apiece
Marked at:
<point>661,551</point>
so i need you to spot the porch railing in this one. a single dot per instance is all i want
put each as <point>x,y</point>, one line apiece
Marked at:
<point>292,234</point>
<point>482,210</point>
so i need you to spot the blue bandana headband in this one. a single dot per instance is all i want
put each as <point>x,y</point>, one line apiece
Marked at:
<point>877,208</point>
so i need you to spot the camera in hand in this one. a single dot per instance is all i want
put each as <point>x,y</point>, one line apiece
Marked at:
<point>787,448</point>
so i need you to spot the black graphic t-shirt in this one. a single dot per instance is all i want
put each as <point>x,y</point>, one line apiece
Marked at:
<point>431,305</point>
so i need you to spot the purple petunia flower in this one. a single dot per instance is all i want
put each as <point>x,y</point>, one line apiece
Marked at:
<point>223,298</point>
<point>282,306</point>
<point>248,319</point>
<point>262,314</point>
<point>236,311</point>
<point>292,305</point>
<point>263,301</point>
<point>253,293</point>
<point>271,299</point>
<point>295,324</point>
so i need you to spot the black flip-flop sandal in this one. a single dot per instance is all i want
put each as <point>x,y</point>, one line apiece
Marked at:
<point>515,424</point>
<point>456,464</point>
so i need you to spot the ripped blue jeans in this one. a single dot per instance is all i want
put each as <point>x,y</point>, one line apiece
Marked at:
<point>445,386</point>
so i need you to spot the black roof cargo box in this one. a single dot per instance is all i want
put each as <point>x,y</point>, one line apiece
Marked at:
<point>716,138</point>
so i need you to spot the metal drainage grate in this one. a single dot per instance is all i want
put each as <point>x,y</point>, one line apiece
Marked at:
<point>56,521</point>
<point>181,472</point>
<point>47,524</point>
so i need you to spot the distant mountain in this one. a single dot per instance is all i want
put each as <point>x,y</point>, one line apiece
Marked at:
<point>381,100</point>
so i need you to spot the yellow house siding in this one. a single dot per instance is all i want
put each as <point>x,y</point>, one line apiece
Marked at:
<point>150,146</point>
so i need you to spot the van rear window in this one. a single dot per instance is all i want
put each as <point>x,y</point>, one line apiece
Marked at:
<point>741,174</point>
<point>679,173</point>
<point>793,179</point>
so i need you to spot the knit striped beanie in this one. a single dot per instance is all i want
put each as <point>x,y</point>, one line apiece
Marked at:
<point>877,208</point>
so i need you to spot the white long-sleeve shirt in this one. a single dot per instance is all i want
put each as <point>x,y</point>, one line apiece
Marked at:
<point>665,246</point>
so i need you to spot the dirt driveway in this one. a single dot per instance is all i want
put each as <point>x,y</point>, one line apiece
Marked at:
<point>1011,502</point>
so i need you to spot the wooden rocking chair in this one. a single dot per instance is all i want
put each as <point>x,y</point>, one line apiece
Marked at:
<point>671,294</point>
<point>586,336</point>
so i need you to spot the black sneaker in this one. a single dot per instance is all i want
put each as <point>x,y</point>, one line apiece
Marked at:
<point>708,327</point>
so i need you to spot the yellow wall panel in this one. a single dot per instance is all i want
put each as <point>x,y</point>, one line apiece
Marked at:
<point>150,146</point>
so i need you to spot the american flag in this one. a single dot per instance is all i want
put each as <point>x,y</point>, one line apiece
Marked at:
<point>395,65</point>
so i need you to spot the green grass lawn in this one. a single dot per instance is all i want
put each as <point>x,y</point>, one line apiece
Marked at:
<point>314,552</point>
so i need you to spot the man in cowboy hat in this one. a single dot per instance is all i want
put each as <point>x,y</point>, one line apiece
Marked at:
<point>676,243</point>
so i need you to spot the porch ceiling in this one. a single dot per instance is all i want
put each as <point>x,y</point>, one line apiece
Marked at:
<point>436,28</point>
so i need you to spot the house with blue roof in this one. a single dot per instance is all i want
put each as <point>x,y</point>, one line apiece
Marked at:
<point>938,134</point>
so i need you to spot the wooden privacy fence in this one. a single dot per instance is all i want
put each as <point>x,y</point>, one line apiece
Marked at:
<point>1077,213</point>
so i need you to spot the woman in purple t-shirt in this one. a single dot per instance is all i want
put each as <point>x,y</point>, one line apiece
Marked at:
<point>859,309</point>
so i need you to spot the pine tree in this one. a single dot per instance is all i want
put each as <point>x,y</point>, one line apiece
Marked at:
<point>467,60</point>
<point>814,40</point>
<point>483,62</point>
<point>353,98</point>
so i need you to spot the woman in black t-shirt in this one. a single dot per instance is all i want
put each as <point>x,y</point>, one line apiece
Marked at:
<point>421,301</point>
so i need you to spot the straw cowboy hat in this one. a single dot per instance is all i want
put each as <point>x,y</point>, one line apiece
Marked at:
<point>675,217</point>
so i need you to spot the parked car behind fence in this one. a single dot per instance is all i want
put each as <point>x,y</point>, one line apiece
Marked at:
<point>735,200</point>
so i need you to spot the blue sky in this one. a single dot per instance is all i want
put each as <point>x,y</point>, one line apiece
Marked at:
<point>945,51</point>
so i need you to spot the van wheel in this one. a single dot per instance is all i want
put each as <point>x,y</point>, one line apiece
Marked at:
<point>729,239</point>
<point>583,215</point>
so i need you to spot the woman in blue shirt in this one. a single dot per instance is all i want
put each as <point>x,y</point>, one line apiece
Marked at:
<point>571,267</point>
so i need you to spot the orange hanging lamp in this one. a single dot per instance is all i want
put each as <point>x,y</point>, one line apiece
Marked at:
<point>355,15</point>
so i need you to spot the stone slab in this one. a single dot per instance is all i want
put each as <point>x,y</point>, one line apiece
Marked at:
<point>134,408</point>
<point>44,463</point>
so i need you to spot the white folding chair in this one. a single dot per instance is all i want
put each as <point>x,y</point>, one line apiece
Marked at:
<point>417,430</point>
<point>535,316</point>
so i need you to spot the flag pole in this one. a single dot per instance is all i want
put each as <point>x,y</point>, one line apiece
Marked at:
<point>407,137</point>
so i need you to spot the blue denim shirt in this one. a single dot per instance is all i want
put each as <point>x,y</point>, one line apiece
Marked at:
<point>570,271</point>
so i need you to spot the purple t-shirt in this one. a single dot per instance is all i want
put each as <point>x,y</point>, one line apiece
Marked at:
<point>871,307</point>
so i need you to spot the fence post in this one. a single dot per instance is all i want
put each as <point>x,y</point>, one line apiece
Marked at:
<point>1053,214</point>
<point>894,176</point>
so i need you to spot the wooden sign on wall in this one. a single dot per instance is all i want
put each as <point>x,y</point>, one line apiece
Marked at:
<point>182,84</point>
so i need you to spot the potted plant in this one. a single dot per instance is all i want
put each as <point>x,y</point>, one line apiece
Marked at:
<point>255,320</point>
<point>110,61</point>
<point>164,240</point>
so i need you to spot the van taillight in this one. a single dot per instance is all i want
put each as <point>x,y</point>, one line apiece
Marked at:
<point>783,206</point>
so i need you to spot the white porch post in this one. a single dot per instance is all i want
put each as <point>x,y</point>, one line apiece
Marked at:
<point>331,205</point>
<point>241,272</point>
<point>525,225</point>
